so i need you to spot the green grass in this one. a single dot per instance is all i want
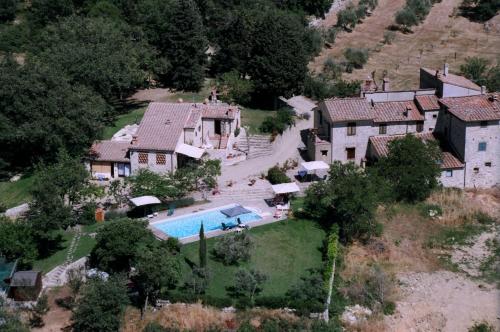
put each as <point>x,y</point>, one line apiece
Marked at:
<point>122,120</point>
<point>84,248</point>
<point>282,250</point>
<point>16,193</point>
<point>253,118</point>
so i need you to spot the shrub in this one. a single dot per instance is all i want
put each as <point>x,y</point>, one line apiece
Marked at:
<point>389,37</point>
<point>356,57</point>
<point>272,302</point>
<point>307,295</point>
<point>347,17</point>
<point>484,218</point>
<point>67,302</point>
<point>406,17</point>
<point>482,327</point>
<point>218,302</point>
<point>330,35</point>
<point>276,175</point>
<point>232,248</point>
<point>370,4</point>
<point>332,69</point>
<point>87,214</point>
<point>237,132</point>
<point>389,308</point>
<point>278,124</point>
<point>475,69</point>
<point>235,88</point>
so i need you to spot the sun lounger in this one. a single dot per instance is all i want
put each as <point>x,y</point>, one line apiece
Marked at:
<point>171,211</point>
<point>226,227</point>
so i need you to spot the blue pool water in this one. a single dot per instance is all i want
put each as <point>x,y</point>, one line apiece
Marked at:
<point>212,220</point>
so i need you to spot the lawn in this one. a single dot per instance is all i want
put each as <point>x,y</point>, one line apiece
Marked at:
<point>122,120</point>
<point>253,118</point>
<point>84,247</point>
<point>284,251</point>
<point>15,193</point>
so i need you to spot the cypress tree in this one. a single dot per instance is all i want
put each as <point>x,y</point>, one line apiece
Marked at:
<point>203,248</point>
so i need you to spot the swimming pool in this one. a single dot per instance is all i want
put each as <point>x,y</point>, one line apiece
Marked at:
<point>189,225</point>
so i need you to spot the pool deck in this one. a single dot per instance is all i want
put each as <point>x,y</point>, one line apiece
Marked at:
<point>258,206</point>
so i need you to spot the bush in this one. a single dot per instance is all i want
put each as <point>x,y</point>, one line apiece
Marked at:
<point>482,327</point>
<point>67,302</point>
<point>356,57</point>
<point>218,302</point>
<point>484,218</point>
<point>232,248</point>
<point>330,35</point>
<point>389,308</point>
<point>276,175</point>
<point>332,69</point>
<point>114,214</point>
<point>389,37</point>
<point>406,17</point>
<point>347,17</point>
<point>237,132</point>
<point>87,214</point>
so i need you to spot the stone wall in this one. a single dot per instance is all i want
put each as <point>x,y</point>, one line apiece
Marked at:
<point>170,165</point>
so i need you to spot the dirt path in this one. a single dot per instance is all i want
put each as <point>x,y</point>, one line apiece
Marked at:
<point>441,37</point>
<point>366,34</point>
<point>443,301</point>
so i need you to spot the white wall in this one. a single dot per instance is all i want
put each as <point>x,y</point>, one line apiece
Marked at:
<point>458,91</point>
<point>455,181</point>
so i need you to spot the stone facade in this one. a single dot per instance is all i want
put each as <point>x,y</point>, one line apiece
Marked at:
<point>474,143</point>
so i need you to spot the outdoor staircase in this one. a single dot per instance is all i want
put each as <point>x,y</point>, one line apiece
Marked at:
<point>242,194</point>
<point>255,145</point>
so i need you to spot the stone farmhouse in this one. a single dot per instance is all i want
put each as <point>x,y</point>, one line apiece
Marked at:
<point>168,136</point>
<point>459,114</point>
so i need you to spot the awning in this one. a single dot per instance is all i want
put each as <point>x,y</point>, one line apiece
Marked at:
<point>189,150</point>
<point>235,211</point>
<point>145,200</point>
<point>286,188</point>
<point>314,166</point>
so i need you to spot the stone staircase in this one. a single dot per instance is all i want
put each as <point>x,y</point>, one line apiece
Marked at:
<point>219,143</point>
<point>255,145</point>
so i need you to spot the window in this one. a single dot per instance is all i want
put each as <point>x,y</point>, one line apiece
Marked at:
<point>320,117</point>
<point>434,116</point>
<point>487,164</point>
<point>481,146</point>
<point>484,124</point>
<point>382,129</point>
<point>143,158</point>
<point>476,170</point>
<point>161,159</point>
<point>351,129</point>
<point>431,129</point>
<point>351,153</point>
<point>324,152</point>
<point>420,126</point>
<point>449,173</point>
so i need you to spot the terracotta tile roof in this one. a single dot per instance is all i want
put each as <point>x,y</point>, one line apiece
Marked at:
<point>346,109</point>
<point>473,108</point>
<point>396,111</point>
<point>381,146</point>
<point>218,111</point>
<point>454,79</point>
<point>194,116</point>
<point>428,103</point>
<point>110,151</point>
<point>162,126</point>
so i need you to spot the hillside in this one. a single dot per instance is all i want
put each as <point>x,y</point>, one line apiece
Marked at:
<point>444,36</point>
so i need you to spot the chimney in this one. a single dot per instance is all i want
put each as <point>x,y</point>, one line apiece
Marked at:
<point>446,68</point>
<point>180,100</point>
<point>386,84</point>
<point>134,139</point>
<point>483,90</point>
<point>407,110</point>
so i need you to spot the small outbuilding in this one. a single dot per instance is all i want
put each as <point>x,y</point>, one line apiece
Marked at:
<point>25,285</point>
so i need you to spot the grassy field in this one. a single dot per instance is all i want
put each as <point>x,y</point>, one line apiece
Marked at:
<point>284,251</point>
<point>15,193</point>
<point>253,118</point>
<point>443,36</point>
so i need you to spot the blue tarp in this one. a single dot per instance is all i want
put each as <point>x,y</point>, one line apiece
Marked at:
<point>235,211</point>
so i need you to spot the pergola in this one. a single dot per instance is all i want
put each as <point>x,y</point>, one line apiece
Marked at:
<point>285,188</point>
<point>312,167</point>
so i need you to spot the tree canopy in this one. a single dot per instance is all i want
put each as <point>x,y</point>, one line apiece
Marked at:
<point>412,179</point>
<point>8,10</point>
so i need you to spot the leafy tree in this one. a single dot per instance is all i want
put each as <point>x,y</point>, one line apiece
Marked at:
<point>480,10</point>
<point>493,79</point>
<point>283,120</point>
<point>348,198</point>
<point>203,248</point>
<point>101,306</point>
<point>407,18</point>
<point>198,281</point>
<point>185,46</point>
<point>278,64</point>
<point>8,10</point>
<point>232,248</point>
<point>347,18</point>
<point>308,294</point>
<point>42,113</point>
<point>371,4</point>
<point>357,57</point>
<point>311,7</point>
<point>155,269</point>
<point>163,186</point>
<point>248,282</point>
<point>412,179</point>
<point>106,9</point>
<point>119,243</point>
<point>475,69</point>
<point>42,12</point>
<point>235,89</point>
<point>100,53</point>
<point>16,241</point>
